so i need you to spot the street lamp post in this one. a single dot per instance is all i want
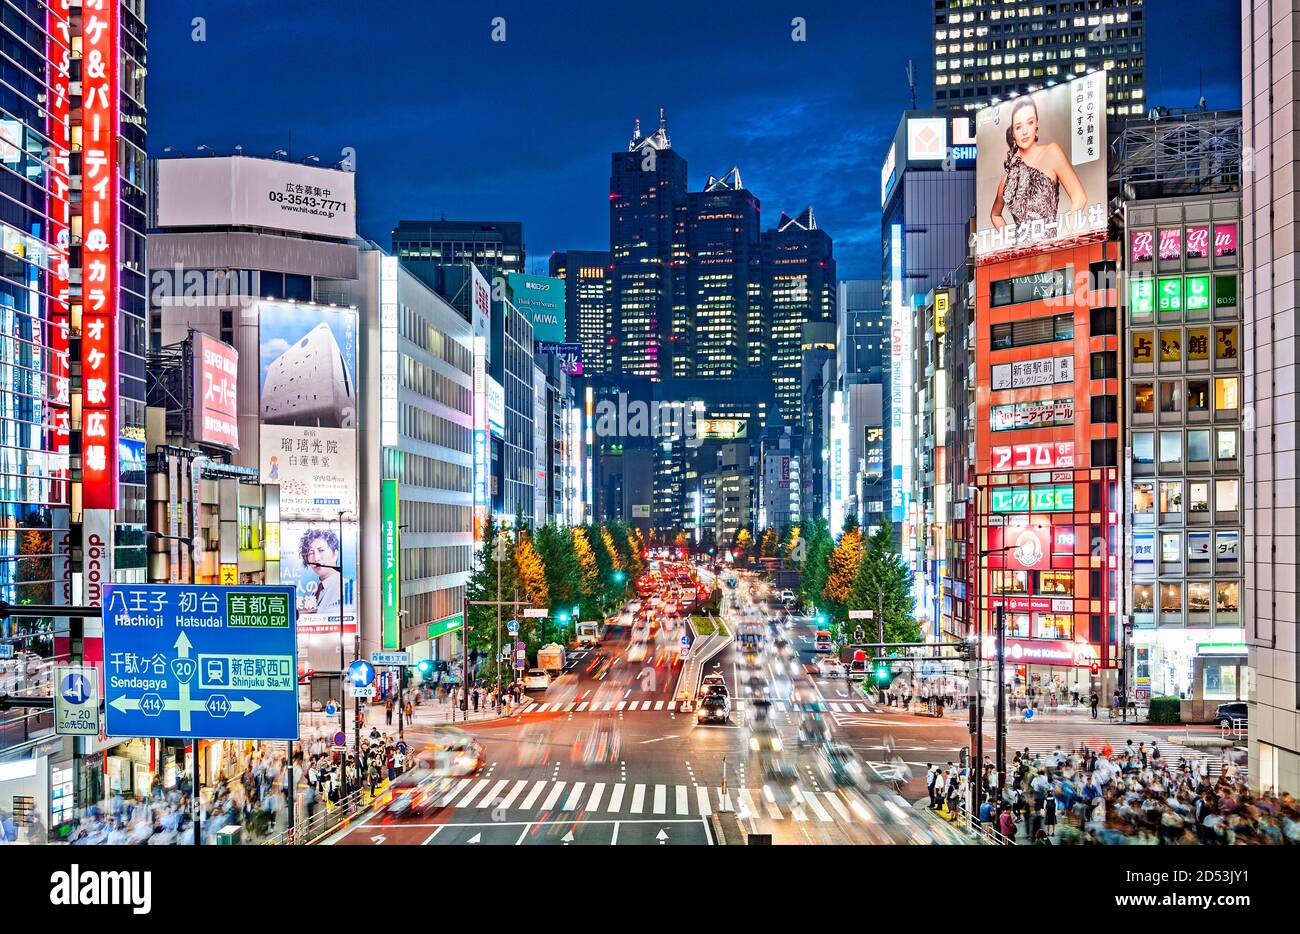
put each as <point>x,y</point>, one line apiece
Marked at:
<point>343,666</point>
<point>1000,742</point>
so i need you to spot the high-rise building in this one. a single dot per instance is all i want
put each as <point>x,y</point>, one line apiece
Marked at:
<point>985,49</point>
<point>588,304</point>
<point>647,184</point>
<point>1269,332</point>
<point>717,280</point>
<point>495,247</point>
<point>863,361</point>
<point>798,288</point>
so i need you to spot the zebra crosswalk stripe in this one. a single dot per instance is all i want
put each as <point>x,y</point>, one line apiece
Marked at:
<point>575,797</point>
<point>553,796</point>
<point>615,799</point>
<point>638,799</point>
<point>473,793</point>
<point>509,799</point>
<point>538,787</point>
<point>597,790</point>
<point>490,798</point>
<point>702,799</point>
<point>450,796</point>
<point>661,799</point>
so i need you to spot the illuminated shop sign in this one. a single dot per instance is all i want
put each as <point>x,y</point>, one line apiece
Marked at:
<point>1045,372</point>
<point>1042,455</point>
<point>1013,499</point>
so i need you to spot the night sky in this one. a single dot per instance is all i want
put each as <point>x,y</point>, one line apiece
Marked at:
<point>446,122</point>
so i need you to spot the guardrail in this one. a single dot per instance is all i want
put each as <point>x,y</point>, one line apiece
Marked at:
<point>1236,727</point>
<point>325,820</point>
<point>985,833</point>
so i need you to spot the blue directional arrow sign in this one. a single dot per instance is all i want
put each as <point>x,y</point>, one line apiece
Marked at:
<point>200,661</point>
<point>361,673</point>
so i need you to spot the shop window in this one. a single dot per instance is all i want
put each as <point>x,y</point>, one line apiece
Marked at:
<point>1225,495</point>
<point>1144,497</point>
<point>1171,398</point>
<point>1198,446</point>
<point>1143,598</point>
<point>1171,547</point>
<point>1225,549</point>
<point>1055,626</point>
<point>1056,583</point>
<point>1198,395</point>
<point>1009,582</point>
<point>1105,451</point>
<point>1198,496</point>
<point>1144,398</point>
<point>1144,443</point>
<point>1198,600</point>
<point>1227,602</point>
<point>1017,625</point>
<point>1219,679</point>
<point>1225,394</point>
<point>1226,443</point>
<point>1198,552</point>
<point>1171,496</point>
<point>1171,447</point>
<point>1171,600</point>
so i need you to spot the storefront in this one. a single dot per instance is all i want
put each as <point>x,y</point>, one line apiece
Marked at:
<point>1054,670</point>
<point>1165,659</point>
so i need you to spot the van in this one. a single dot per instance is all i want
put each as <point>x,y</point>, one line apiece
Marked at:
<point>537,679</point>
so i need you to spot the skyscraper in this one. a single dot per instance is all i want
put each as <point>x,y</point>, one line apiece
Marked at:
<point>989,48</point>
<point>647,184</point>
<point>588,304</point>
<point>798,274</point>
<point>719,231</point>
<point>495,247</point>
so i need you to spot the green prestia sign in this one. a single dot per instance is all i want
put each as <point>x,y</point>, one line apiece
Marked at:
<point>390,564</point>
<point>444,626</point>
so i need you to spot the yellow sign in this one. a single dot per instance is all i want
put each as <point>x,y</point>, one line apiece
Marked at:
<point>229,575</point>
<point>940,312</point>
<point>1198,343</point>
<point>1225,343</point>
<point>1143,347</point>
<point>1171,346</point>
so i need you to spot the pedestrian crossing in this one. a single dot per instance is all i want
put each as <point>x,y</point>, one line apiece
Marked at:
<point>627,799</point>
<point>1042,740</point>
<point>647,706</point>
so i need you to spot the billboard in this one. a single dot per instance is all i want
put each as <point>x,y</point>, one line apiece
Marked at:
<point>541,299</point>
<point>390,564</point>
<point>496,407</point>
<point>315,467</point>
<point>309,562</point>
<point>240,191</point>
<point>216,379</point>
<point>1040,176</point>
<point>570,356</point>
<point>724,429</point>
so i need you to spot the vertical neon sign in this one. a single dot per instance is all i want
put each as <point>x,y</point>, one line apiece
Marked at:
<point>99,83</point>
<point>58,63</point>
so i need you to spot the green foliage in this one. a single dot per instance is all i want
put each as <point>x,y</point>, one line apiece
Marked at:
<point>883,579</point>
<point>1164,709</point>
<point>816,564</point>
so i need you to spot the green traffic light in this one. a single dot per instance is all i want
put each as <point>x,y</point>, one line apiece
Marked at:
<point>882,675</point>
<point>619,577</point>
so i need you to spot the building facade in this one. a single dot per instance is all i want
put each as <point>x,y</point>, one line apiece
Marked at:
<point>588,304</point>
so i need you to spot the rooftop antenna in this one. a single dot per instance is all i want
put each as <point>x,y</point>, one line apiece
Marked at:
<point>911,81</point>
<point>1200,80</point>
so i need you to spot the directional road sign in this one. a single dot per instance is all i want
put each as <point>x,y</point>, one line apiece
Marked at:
<point>76,705</point>
<point>361,673</point>
<point>390,658</point>
<point>538,613</point>
<point>190,661</point>
<point>6,650</point>
<point>512,627</point>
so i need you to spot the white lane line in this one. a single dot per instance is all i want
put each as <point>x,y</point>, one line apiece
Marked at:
<point>490,798</point>
<point>472,794</point>
<point>683,800</point>
<point>615,799</point>
<point>836,803</point>
<point>769,804</point>
<point>451,795</point>
<point>724,801</point>
<point>514,793</point>
<point>661,799</point>
<point>638,799</point>
<point>746,808</point>
<point>553,796</point>
<point>571,803</point>
<point>532,795</point>
<point>702,799</point>
<point>429,839</point>
<point>597,790</point>
<point>570,706</point>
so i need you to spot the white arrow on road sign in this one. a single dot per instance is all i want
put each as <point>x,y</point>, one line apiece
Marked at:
<point>378,840</point>
<point>662,837</point>
<point>477,838</point>
<point>567,838</point>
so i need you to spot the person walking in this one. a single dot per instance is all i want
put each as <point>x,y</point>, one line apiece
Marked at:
<point>1093,703</point>
<point>388,711</point>
<point>474,697</point>
<point>931,779</point>
<point>409,710</point>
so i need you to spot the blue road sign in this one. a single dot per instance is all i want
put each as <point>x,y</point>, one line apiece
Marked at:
<point>340,738</point>
<point>75,688</point>
<point>512,627</point>
<point>190,661</point>
<point>331,709</point>
<point>6,650</point>
<point>686,640</point>
<point>361,673</point>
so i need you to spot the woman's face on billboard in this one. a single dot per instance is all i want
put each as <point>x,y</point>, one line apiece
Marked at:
<point>1024,127</point>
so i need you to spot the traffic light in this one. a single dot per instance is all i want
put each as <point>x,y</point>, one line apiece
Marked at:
<point>619,577</point>
<point>882,675</point>
<point>821,618</point>
<point>1095,668</point>
<point>425,667</point>
<point>562,616</point>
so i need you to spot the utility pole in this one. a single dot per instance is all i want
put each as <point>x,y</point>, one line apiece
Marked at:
<point>1001,744</point>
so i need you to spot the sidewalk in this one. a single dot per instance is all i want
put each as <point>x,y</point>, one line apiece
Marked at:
<point>425,715</point>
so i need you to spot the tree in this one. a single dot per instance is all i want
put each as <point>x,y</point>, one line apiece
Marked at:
<point>791,539</point>
<point>768,543</point>
<point>588,573</point>
<point>481,626</point>
<point>681,541</point>
<point>884,580</point>
<point>844,562</point>
<point>816,564</point>
<point>532,573</point>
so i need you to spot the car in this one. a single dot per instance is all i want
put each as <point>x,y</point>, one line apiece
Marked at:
<point>715,708</point>
<point>839,766</point>
<point>787,596</point>
<point>637,652</point>
<point>1227,713</point>
<point>537,679</point>
<point>451,753</point>
<point>763,738</point>
<point>812,730</point>
<point>708,682</point>
<point>415,792</point>
<point>828,666</point>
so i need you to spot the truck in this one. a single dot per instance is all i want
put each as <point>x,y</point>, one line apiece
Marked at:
<point>551,658</point>
<point>588,634</point>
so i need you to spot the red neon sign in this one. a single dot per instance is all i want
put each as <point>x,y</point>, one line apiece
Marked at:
<point>99,254</point>
<point>58,62</point>
<point>1043,455</point>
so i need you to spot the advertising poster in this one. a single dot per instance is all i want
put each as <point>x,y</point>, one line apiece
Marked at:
<point>315,467</point>
<point>216,379</point>
<point>541,300</point>
<point>1040,176</point>
<point>309,559</point>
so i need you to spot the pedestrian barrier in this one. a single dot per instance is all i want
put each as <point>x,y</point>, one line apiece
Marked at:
<point>983,832</point>
<point>325,820</point>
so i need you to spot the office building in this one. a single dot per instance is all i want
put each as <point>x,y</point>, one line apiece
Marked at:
<point>863,361</point>
<point>988,49</point>
<point>495,247</point>
<point>588,304</point>
<point>1269,331</point>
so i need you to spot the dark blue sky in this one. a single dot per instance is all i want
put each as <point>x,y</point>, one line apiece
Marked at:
<point>446,122</point>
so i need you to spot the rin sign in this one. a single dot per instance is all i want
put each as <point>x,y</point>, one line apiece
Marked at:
<point>200,661</point>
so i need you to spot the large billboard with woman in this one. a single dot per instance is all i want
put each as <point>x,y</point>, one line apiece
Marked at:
<point>1040,176</point>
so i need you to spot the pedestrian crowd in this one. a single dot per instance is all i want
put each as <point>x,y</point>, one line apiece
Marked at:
<point>1132,795</point>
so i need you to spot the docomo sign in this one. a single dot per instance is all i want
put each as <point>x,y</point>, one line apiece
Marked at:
<point>1046,454</point>
<point>99,254</point>
<point>216,378</point>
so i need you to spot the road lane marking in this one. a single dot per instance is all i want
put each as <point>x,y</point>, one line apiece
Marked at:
<point>616,798</point>
<point>509,799</point>
<point>581,707</point>
<point>746,805</point>
<point>621,705</point>
<point>638,799</point>
<point>473,793</point>
<point>683,800</point>
<point>810,798</point>
<point>575,795</point>
<point>769,804</point>
<point>570,706</point>
<point>553,796</point>
<point>532,795</point>
<point>597,790</point>
<point>450,796</point>
<point>702,800</point>
<point>429,839</point>
<point>490,798</point>
<point>834,799</point>
<point>724,801</point>
<point>659,705</point>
